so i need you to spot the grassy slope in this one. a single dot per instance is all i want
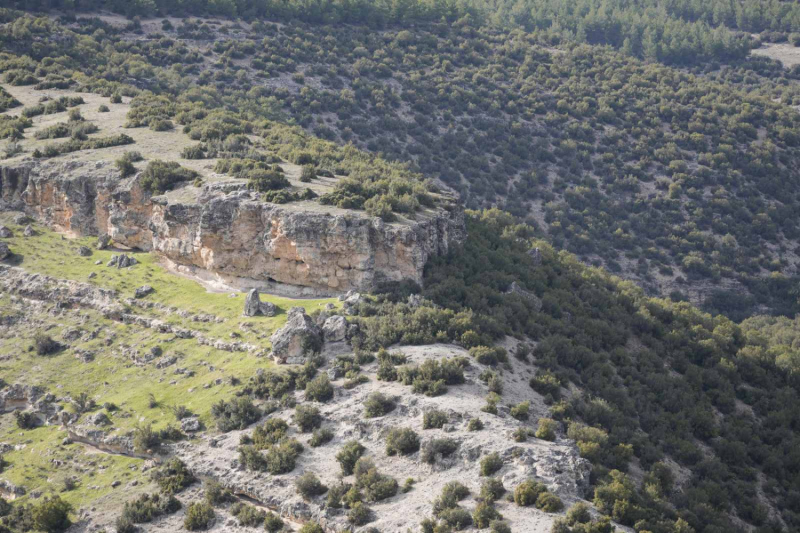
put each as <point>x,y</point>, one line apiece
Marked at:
<point>112,376</point>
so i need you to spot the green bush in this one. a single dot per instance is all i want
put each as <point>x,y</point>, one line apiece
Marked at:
<point>549,502</point>
<point>402,440</point>
<point>499,526</point>
<point>308,486</point>
<point>527,492</point>
<point>484,514</point>
<point>148,507</point>
<point>238,413</point>
<point>319,389</point>
<point>491,464</point>
<point>546,429</point>
<point>266,180</point>
<point>273,523</point>
<point>492,489</point>
<point>375,486</point>
<point>307,418</point>
<point>248,515</point>
<point>433,448</point>
<point>308,173</point>
<point>520,411</point>
<point>199,516</point>
<point>378,404</point>
<point>161,176</point>
<point>359,514</point>
<point>491,356</point>
<point>350,453</point>
<point>271,432</point>
<point>434,419</point>
<point>320,437</point>
<point>173,476</point>
<point>51,515</point>
<point>475,424</point>
<point>45,345</point>
<point>217,493</point>
<point>281,458</point>
<point>311,527</point>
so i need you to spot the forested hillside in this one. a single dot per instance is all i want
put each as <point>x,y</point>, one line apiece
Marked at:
<point>686,183</point>
<point>599,164</point>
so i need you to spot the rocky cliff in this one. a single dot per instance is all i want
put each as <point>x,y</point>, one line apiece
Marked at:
<point>226,231</point>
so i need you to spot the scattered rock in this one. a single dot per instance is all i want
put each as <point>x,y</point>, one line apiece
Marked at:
<point>103,242</point>
<point>166,361</point>
<point>71,334</point>
<point>85,356</point>
<point>190,425</point>
<point>143,291</point>
<point>5,251</point>
<point>116,483</point>
<point>536,255</point>
<point>121,261</point>
<point>335,328</point>
<point>99,419</point>
<point>296,340</point>
<point>5,232</point>
<point>92,275</point>
<point>28,231</point>
<point>21,219</point>
<point>254,306</point>
<point>515,288</point>
<point>84,251</point>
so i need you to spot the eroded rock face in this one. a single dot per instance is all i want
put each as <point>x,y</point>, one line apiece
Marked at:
<point>297,340</point>
<point>230,231</point>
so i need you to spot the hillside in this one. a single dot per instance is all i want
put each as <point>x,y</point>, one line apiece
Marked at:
<point>395,269</point>
<point>686,184</point>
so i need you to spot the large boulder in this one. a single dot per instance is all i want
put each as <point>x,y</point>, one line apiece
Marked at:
<point>5,232</point>
<point>5,251</point>
<point>254,306</point>
<point>102,242</point>
<point>298,339</point>
<point>143,291</point>
<point>335,328</point>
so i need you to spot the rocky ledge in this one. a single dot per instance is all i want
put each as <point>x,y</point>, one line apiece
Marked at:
<point>228,231</point>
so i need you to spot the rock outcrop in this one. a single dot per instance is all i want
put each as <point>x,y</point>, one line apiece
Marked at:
<point>229,231</point>
<point>297,340</point>
<point>254,306</point>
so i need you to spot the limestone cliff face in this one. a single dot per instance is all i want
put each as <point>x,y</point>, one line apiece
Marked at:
<point>231,232</point>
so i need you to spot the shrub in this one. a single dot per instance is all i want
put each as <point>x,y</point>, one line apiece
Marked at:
<point>475,424</point>
<point>196,151</point>
<point>308,485</point>
<point>359,514</point>
<point>262,180</point>
<point>25,419</point>
<point>161,125</point>
<point>307,418</point>
<point>520,411</point>
<point>144,438</point>
<point>549,502</point>
<point>235,414</point>
<point>527,492</point>
<point>492,489</point>
<point>173,477</point>
<point>546,383</point>
<point>350,453</point>
<point>103,108</point>
<point>319,389</point>
<point>484,514</point>
<point>281,459</point>
<point>402,440</point>
<point>320,437</point>
<point>308,173</point>
<point>148,507</point>
<point>116,98</point>
<point>487,355</point>
<point>252,459</point>
<point>217,493</point>
<point>546,429</point>
<point>378,404</point>
<point>45,345</point>
<point>434,419</point>
<point>161,176</point>
<point>499,526</point>
<point>249,516</point>
<point>436,447</point>
<point>491,464</point>
<point>273,523</point>
<point>376,486</point>
<point>311,527</point>
<point>51,515</point>
<point>199,516</point>
<point>456,517</point>
<point>271,432</point>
